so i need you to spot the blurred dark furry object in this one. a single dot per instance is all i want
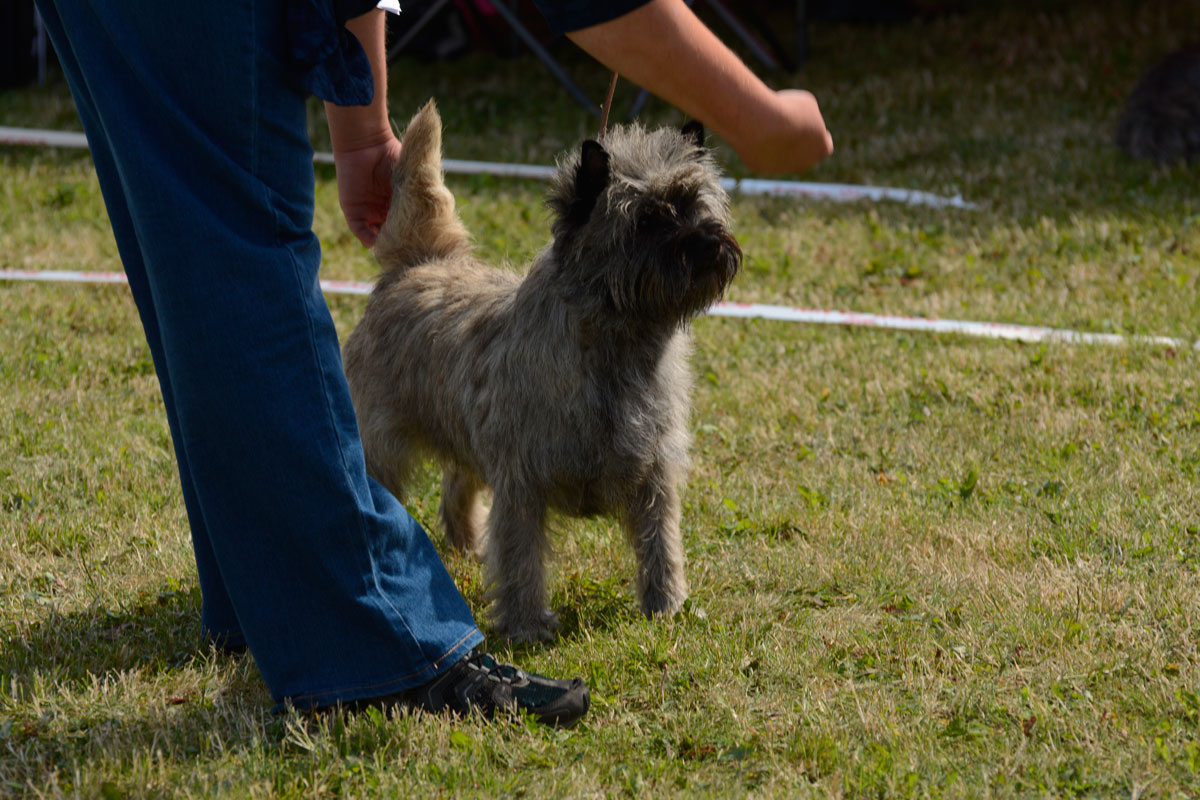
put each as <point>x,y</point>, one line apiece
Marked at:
<point>1161,121</point>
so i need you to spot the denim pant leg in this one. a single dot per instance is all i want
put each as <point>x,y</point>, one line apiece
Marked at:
<point>203,156</point>
<point>217,617</point>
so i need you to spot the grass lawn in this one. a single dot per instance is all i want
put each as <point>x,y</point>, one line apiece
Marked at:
<point>922,566</point>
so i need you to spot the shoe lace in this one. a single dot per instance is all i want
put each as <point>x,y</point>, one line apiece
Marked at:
<point>504,673</point>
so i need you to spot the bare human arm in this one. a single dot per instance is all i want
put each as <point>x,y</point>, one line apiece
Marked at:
<point>661,46</point>
<point>665,48</point>
<point>364,146</point>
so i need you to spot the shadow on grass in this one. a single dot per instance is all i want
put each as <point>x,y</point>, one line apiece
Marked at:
<point>161,632</point>
<point>190,728</point>
<point>98,687</point>
<point>158,633</point>
<point>584,607</point>
<point>587,606</point>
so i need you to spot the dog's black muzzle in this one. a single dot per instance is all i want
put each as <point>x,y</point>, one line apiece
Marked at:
<point>711,253</point>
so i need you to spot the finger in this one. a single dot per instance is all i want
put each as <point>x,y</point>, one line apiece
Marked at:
<point>367,234</point>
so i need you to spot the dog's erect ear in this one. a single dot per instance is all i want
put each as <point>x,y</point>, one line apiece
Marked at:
<point>694,131</point>
<point>590,180</point>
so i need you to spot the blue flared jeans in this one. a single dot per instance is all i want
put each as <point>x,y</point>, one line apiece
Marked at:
<point>199,138</point>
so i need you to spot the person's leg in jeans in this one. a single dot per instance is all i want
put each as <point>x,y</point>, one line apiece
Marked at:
<point>200,144</point>
<point>218,620</point>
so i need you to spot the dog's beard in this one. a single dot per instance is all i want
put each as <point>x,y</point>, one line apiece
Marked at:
<point>676,273</point>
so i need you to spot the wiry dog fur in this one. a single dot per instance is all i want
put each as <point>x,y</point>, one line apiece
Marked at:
<point>566,389</point>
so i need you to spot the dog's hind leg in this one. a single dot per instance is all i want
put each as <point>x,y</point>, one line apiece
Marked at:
<point>517,550</point>
<point>652,526</point>
<point>462,514</point>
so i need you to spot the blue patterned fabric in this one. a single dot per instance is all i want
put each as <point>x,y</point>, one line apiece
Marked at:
<point>328,61</point>
<point>573,15</point>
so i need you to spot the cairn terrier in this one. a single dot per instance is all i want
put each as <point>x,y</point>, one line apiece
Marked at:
<point>566,389</point>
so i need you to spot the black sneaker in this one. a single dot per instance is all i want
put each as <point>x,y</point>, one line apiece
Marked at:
<point>480,683</point>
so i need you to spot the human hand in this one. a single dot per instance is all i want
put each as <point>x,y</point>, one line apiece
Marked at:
<point>785,135</point>
<point>364,178</point>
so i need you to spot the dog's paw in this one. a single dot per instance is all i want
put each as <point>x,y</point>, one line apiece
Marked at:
<point>662,603</point>
<point>540,627</point>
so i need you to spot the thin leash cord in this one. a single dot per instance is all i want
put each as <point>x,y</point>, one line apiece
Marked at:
<point>612,88</point>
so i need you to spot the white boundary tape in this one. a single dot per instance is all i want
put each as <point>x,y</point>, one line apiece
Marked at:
<point>826,191</point>
<point>989,330</point>
<point>837,192</point>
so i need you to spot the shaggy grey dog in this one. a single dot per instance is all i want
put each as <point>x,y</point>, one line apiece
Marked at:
<point>564,390</point>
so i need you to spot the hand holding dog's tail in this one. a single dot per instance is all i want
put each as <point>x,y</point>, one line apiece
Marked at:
<point>421,224</point>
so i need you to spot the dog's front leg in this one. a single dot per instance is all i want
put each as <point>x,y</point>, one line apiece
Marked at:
<point>652,525</point>
<point>517,549</point>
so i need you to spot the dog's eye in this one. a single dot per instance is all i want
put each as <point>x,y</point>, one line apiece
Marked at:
<point>681,203</point>
<point>673,209</point>
<point>658,214</point>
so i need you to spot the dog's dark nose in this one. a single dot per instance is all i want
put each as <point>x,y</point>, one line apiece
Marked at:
<point>712,245</point>
<point>705,248</point>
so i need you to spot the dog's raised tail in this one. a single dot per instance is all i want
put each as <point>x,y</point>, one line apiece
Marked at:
<point>421,224</point>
